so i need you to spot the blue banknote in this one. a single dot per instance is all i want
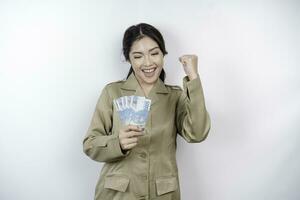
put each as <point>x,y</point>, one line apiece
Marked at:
<point>133,110</point>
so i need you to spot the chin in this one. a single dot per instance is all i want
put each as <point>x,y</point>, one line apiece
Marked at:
<point>151,80</point>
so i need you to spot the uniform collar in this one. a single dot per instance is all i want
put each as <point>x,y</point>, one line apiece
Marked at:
<point>132,87</point>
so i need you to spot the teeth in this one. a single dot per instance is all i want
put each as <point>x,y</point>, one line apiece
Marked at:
<point>148,70</point>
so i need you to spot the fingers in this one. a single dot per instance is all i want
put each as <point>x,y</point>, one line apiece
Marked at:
<point>132,128</point>
<point>129,146</point>
<point>190,65</point>
<point>129,136</point>
<point>182,61</point>
<point>186,58</point>
<point>128,143</point>
<point>130,140</point>
<point>134,133</point>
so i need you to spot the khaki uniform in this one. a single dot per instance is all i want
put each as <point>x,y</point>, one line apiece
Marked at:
<point>149,170</point>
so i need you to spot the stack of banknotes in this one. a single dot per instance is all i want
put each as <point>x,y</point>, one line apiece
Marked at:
<point>133,110</point>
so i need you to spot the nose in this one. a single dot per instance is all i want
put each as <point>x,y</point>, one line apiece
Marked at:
<point>147,60</point>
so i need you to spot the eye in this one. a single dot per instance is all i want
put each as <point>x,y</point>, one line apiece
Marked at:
<point>137,57</point>
<point>154,54</point>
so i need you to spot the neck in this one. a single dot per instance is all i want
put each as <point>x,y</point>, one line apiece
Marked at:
<point>145,87</point>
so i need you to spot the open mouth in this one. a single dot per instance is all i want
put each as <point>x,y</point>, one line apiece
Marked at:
<point>148,70</point>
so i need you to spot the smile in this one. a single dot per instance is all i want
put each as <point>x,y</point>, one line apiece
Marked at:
<point>149,70</point>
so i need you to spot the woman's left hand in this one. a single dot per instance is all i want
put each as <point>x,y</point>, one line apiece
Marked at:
<point>190,65</point>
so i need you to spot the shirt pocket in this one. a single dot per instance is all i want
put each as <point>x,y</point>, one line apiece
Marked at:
<point>166,184</point>
<point>118,182</point>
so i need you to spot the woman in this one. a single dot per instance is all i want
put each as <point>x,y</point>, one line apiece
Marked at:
<point>141,163</point>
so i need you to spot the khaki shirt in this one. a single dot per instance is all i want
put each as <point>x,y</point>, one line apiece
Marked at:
<point>149,170</point>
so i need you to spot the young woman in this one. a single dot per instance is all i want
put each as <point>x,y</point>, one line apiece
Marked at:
<point>141,163</point>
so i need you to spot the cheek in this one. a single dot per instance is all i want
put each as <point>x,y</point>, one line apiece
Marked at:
<point>135,68</point>
<point>135,64</point>
<point>160,62</point>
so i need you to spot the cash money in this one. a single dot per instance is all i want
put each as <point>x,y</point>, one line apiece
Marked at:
<point>133,110</point>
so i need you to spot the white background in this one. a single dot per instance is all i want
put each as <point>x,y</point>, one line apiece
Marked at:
<point>56,56</point>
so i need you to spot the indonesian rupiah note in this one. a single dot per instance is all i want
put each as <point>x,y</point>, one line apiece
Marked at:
<point>133,110</point>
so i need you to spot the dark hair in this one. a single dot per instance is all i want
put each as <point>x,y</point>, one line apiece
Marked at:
<point>137,32</point>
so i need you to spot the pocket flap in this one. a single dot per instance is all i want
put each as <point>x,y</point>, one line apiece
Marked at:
<point>166,184</point>
<point>117,182</point>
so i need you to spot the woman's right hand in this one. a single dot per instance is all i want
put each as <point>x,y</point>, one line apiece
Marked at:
<point>128,136</point>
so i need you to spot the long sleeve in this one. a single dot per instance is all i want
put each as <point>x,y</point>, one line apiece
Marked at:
<point>100,143</point>
<point>192,118</point>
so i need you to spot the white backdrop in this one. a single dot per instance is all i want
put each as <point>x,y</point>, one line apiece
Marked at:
<point>56,56</point>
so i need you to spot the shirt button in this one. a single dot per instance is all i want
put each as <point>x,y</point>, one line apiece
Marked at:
<point>143,155</point>
<point>142,197</point>
<point>144,177</point>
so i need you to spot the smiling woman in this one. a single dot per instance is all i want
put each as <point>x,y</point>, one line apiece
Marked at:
<point>140,163</point>
<point>146,59</point>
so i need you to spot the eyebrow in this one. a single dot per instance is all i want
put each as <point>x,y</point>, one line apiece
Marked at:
<point>142,53</point>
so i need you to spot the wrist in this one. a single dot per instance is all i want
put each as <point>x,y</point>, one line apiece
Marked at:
<point>192,76</point>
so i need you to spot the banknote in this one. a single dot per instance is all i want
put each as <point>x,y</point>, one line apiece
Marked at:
<point>133,110</point>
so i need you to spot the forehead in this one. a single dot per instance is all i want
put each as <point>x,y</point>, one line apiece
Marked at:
<point>144,44</point>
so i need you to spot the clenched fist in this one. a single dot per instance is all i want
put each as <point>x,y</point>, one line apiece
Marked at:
<point>190,65</point>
